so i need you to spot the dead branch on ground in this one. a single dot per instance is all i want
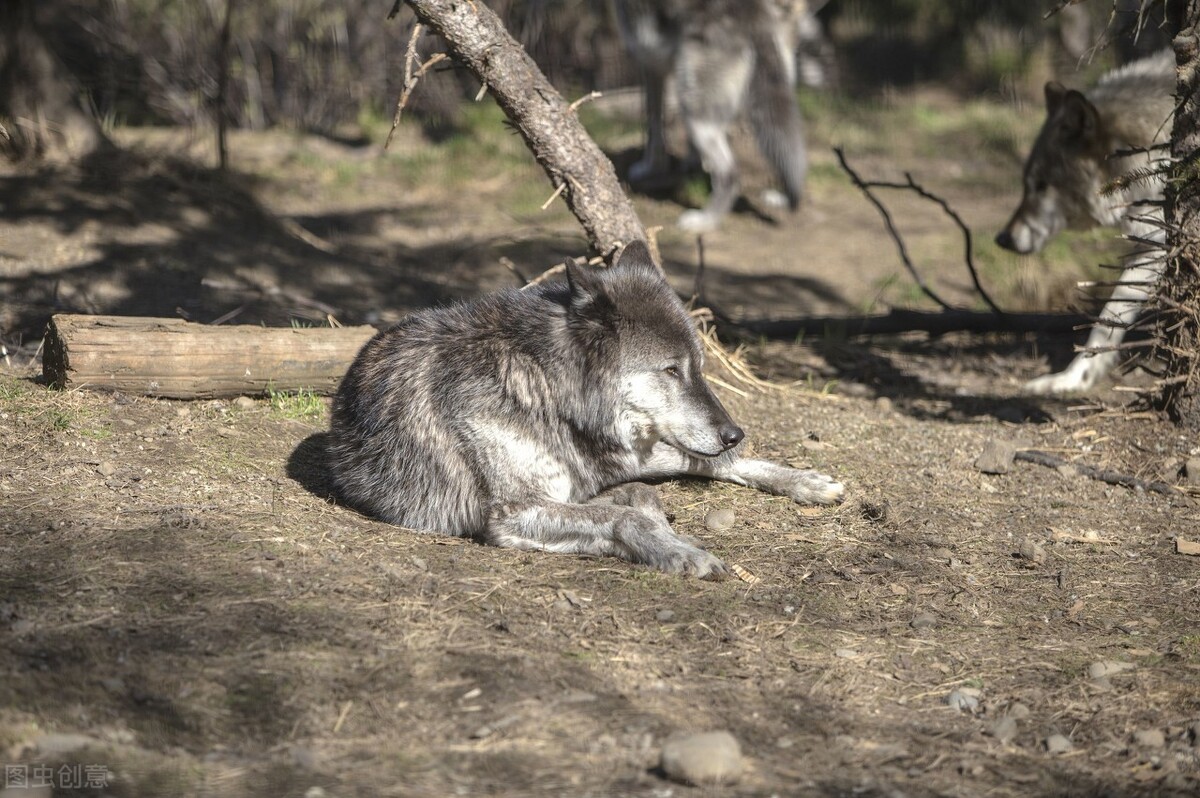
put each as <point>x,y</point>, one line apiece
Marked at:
<point>1102,474</point>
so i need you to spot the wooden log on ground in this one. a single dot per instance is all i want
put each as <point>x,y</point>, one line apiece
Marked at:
<point>182,360</point>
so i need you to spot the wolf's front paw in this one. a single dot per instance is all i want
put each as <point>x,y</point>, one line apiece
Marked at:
<point>809,487</point>
<point>692,561</point>
<point>650,542</point>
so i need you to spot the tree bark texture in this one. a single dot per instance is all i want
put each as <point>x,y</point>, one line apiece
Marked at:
<point>39,105</point>
<point>1179,304</point>
<point>477,38</point>
<point>181,360</point>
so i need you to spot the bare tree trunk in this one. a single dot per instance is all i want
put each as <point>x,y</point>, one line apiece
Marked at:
<point>39,102</point>
<point>1179,303</point>
<point>477,38</point>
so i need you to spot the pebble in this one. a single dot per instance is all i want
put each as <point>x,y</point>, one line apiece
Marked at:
<point>1003,729</point>
<point>720,520</point>
<point>845,653</point>
<point>702,759</point>
<point>59,745</point>
<point>1191,471</point>
<point>1107,667</point>
<point>1057,744</point>
<point>665,616</point>
<point>923,620</point>
<point>1017,711</point>
<point>1150,738</point>
<point>243,403</point>
<point>106,469</point>
<point>1032,550</point>
<point>962,701</point>
<point>996,457</point>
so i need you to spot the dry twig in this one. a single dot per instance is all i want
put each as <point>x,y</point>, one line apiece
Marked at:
<point>866,185</point>
<point>410,77</point>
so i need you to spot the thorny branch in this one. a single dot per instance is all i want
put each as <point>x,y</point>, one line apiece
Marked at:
<point>867,185</point>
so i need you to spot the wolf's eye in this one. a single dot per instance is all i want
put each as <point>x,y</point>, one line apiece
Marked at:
<point>671,371</point>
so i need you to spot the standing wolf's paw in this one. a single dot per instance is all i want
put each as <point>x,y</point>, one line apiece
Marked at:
<point>809,487</point>
<point>1063,382</point>
<point>695,221</point>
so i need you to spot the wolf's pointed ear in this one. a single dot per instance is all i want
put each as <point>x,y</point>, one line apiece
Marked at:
<point>636,258</point>
<point>1055,92</point>
<point>1078,118</point>
<point>586,286</point>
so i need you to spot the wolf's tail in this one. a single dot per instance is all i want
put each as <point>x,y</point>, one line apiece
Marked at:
<point>775,117</point>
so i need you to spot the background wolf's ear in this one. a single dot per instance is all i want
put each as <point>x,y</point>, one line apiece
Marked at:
<point>1055,92</point>
<point>1078,118</point>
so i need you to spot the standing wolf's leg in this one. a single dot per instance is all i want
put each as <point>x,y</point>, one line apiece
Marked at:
<point>624,532</point>
<point>654,161</point>
<point>1127,300</point>
<point>800,485</point>
<point>711,139</point>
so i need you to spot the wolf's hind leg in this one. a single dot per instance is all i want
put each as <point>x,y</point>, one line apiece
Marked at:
<point>599,529</point>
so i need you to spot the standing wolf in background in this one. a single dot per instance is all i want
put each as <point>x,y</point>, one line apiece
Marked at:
<point>725,55</point>
<point>1084,145</point>
<point>525,418</point>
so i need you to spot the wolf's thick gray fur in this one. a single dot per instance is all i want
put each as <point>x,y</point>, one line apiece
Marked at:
<point>520,417</point>
<point>1088,141</point>
<point>726,56</point>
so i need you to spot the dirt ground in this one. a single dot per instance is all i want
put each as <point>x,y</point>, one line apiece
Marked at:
<point>184,611</point>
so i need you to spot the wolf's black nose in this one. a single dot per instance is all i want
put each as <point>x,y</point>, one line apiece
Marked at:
<point>1004,240</point>
<point>731,435</point>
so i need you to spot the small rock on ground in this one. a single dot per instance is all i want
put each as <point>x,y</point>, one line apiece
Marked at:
<point>962,701</point>
<point>1032,550</point>
<point>1107,667</point>
<point>1058,744</point>
<point>665,616</point>
<point>706,758</point>
<point>996,457</point>
<point>243,403</point>
<point>1149,738</point>
<point>1003,729</point>
<point>720,520</point>
<point>923,620</point>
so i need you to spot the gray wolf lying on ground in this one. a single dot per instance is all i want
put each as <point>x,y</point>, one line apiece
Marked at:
<point>1086,143</point>
<point>725,56</point>
<point>526,418</point>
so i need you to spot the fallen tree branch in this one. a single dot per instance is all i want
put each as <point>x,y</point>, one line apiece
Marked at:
<point>939,322</point>
<point>1102,474</point>
<point>477,38</point>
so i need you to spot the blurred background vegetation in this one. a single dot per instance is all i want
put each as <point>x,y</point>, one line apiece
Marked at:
<point>330,66</point>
